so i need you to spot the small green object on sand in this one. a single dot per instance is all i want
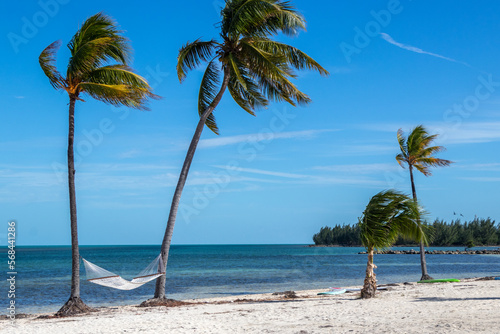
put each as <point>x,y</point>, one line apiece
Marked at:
<point>439,280</point>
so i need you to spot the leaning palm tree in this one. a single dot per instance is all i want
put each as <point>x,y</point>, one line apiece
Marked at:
<point>254,69</point>
<point>95,44</point>
<point>387,215</point>
<point>417,153</point>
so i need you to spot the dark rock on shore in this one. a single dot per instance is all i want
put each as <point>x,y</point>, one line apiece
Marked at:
<point>447,252</point>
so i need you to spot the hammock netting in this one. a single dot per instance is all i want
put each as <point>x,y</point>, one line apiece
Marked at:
<point>101,276</point>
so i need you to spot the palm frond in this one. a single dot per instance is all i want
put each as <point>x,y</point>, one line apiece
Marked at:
<point>414,140</point>
<point>402,142</point>
<point>429,151</point>
<point>409,221</point>
<point>117,95</point>
<point>47,60</point>
<point>422,169</point>
<point>400,158</point>
<point>433,162</point>
<point>208,91</point>
<point>260,62</point>
<point>294,56</point>
<point>116,75</point>
<point>235,66</point>
<point>260,18</point>
<point>388,215</point>
<point>96,42</point>
<point>192,54</point>
<point>282,90</point>
<point>416,150</point>
<point>249,97</point>
<point>271,71</point>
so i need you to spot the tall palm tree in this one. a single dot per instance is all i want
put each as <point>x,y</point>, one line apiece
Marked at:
<point>254,68</point>
<point>417,153</point>
<point>93,47</point>
<point>387,215</point>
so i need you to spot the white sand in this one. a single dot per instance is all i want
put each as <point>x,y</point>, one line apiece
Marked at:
<point>465,307</point>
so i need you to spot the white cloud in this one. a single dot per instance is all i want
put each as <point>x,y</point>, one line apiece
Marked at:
<point>258,137</point>
<point>376,168</point>
<point>294,178</point>
<point>265,172</point>
<point>491,167</point>
<point>366,149</point>
<point>129,154</point>
<point>390,40</point>
<point>468,133</point>
<point>119,167</point>
<point>482,179</point>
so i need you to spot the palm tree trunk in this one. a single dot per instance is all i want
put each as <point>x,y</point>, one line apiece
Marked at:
<point>370,283</point>
<point>75,253</point>
<point>423,262</point>
<point>167,238</point>
<point>74,305</point>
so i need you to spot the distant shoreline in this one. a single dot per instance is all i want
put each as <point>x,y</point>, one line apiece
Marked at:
<point>401,246</point>
<point>430,252</point>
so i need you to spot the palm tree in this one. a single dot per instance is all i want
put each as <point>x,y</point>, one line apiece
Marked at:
<point>417,153</point>
<point>95,44</point>
<point>254,68</point>
<point>387,215</point>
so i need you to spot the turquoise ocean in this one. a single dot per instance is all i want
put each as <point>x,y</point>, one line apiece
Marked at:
<point>204,271</point>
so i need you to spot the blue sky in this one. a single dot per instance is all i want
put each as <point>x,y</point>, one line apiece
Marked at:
<point>274,178</point>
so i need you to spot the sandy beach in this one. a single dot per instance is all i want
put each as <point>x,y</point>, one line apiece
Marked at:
<point>471,306</point>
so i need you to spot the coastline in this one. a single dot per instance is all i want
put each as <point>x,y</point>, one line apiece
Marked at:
<point>470,306</point>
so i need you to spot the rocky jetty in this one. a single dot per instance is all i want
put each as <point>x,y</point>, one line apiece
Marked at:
<point>447,252</point>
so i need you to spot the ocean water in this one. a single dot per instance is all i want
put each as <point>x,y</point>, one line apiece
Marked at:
<point>203,271</point>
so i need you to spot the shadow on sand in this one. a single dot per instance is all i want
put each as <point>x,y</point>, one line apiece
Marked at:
<point>440,299</point>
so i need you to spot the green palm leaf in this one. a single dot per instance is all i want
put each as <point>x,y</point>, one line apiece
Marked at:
<point>47,60</point>
<point>294,56</point>
<point>388,215</point>
<point>117,95</point>
<point>249,97</point>
<point>117,74</point>
<point>98,41</point>
<point>208,91</point>
<point>192,54</point>
<point>416,152</point>
<point>260,18</point>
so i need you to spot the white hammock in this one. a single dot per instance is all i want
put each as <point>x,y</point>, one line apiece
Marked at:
<point>101,276</point>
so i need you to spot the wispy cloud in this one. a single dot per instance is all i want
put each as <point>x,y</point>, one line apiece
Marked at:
<point>258,137</point>
<point>490,167</point>
<point>266,172</point>
<point>375,168</point>
<point>321,180</point>
<point>471,133</point>
<point>363,149</point>
<point>19,97</point>
<point>129,154</point>
<point>481,179</point>
<point>390,40</point>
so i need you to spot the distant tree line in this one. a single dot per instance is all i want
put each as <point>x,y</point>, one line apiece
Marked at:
<point>478,232</point>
